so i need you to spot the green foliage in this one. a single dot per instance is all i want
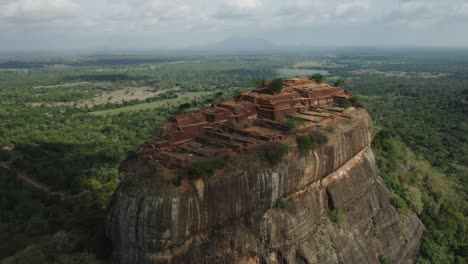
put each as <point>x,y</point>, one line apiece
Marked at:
<point>343,102</point>
<point>207,168</point>
<point>337,217</point>
<point>272,153</point>
<point>317,77</point>
<point>259,82</point>
<point>184,106</point>
<point>399,203</point>
<point>282,204</point>
<point>340,82</point>
<point>376,231</point>
<point>356,101</point>
<point>383,260</point>
<point>414,198</point>
<point>309,142</point>
<point>275,86</point>
<point>45,226</point>
<point>418,186</point>
<point>293,122</point>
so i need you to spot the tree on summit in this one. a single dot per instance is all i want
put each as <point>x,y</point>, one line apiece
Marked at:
<point>258,82</point>
<point>340,82</point>
<point>318,78</point>
<point>275,86</point>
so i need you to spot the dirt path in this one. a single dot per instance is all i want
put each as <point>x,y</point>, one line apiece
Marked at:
<point>45,188</point>
<point>34,183</point>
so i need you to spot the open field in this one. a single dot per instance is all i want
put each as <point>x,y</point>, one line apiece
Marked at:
<point>181,99</point>
<point>118,96</point>
<point>68,84</point>
<point>398,74</point>
<point>292,72</point>
<point>317,64</point>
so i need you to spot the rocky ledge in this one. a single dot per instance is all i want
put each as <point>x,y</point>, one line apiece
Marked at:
<point>326,205</point>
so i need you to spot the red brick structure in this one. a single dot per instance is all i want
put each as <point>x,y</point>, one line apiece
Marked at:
<point>249,119</point>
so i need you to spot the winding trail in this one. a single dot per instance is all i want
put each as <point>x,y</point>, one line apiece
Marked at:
<point>34,183</point>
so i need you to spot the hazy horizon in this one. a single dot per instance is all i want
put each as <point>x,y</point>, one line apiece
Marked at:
<point>72,25</point>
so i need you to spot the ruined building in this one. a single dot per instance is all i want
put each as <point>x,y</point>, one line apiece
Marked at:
<point>249,119</point>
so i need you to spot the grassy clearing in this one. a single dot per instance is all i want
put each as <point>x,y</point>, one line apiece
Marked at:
<point>317,64</point>
<point>117,96</point>
<point>182,98</point>
<point>292,72</point>
<point>68,84</point>
<point>399,74</point>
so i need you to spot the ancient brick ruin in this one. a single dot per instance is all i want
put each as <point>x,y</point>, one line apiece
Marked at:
<point>240,123</point>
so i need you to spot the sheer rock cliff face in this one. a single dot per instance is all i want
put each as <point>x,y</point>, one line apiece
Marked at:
<point>233,217</point>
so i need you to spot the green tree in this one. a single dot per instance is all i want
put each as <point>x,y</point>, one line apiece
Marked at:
<point>414,198</point>
<point>184,106</point>
<point>340,82</point>
<point>275,86</point>
<point>272,152</point>
<point>317,77</point>
<point>258,82</point>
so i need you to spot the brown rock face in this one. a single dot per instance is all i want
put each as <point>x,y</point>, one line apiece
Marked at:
<point>234,218</point>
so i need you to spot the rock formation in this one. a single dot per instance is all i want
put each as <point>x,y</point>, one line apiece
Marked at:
<point>323,204</point>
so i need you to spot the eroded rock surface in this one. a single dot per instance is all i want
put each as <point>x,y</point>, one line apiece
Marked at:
<point>233,217</point>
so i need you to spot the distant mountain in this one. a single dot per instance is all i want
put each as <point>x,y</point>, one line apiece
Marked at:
<point>241,44</point>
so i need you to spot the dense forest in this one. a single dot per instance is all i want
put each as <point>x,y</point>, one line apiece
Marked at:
<point>59,158</point>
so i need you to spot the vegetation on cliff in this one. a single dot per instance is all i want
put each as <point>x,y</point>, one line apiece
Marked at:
<point>309,142</point>
<point>272,153</point>
<point>206,168</point>
<point>416,185</point>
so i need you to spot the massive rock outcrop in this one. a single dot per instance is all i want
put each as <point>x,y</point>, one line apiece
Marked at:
<point>234,216</point>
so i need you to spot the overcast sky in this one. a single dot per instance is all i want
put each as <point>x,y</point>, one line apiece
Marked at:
<point>163,24</point>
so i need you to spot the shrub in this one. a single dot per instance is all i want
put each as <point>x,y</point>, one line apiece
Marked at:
<point>184,106</point>
<point>292,122</point>
<point>344,102</point>
<point>340,82</point>
<point>206,168</point>
<point>376,231</point>
<point>258,82</point>
<point>275,86</point>
<point>356,101</point>
<point>282,204</point>
<point>338,217</point>
<point>273,153</point>
<point>311,141</point>
<point>398,203</point>
<point>384,260</point>
<point>321,138</point>
<point>414,198</point>
<point>318,78</point>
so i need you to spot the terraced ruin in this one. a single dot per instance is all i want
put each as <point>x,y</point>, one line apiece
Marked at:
<point>241,123</point>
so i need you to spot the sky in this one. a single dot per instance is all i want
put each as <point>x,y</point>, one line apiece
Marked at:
<point>28,25</point>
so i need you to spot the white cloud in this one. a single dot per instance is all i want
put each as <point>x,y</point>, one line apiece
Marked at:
<point>38,10</point>
<point>347,8</point>
<point>414,8</point>
<point>244,4</point>
<point>464,10</point>
<point>237,10</point>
